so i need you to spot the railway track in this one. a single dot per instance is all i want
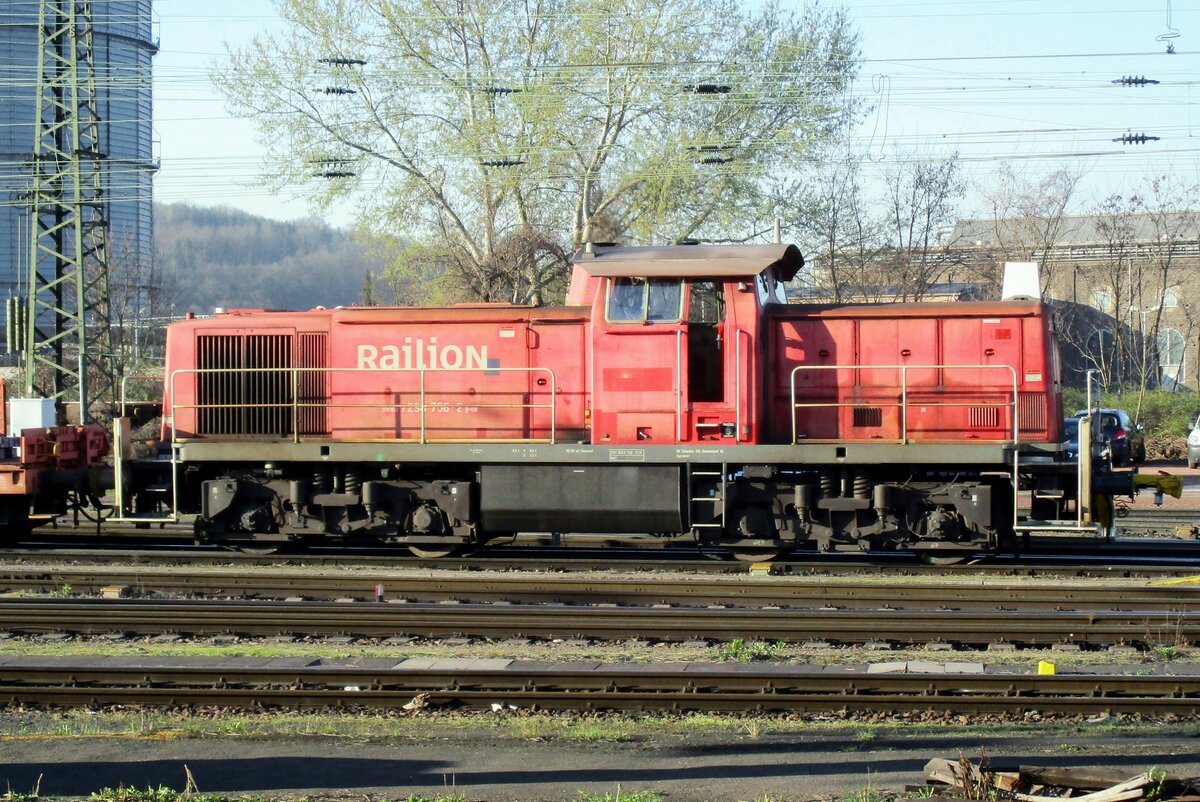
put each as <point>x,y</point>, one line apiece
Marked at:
<point>974,628</point>
<point>631,590</point>
<point>1058,556</point>
<point>483,684</point>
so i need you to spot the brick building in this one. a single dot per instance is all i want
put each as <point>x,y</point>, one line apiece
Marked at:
<point>1126,288</point>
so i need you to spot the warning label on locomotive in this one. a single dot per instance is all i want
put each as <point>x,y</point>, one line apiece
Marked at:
<point>627,455</point>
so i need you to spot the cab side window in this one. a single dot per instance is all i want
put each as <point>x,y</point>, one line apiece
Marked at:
<point>769,289</point>
<point>639,300</point>
<point>625,300</point>
<point>665,300</point>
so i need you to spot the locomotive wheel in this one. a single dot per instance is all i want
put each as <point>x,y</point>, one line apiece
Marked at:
<point>934,558</point>
<point>753,554</point>
<point>258,550</point>
<point>436,552</point>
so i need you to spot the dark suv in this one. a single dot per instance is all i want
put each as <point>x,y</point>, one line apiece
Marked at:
<point>1124,437</point>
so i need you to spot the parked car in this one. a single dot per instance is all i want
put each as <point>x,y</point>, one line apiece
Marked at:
<point>1071,438</point>
<point>1193,456</point>
<point>1125,438</point>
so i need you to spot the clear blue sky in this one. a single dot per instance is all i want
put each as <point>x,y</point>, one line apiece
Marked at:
<point>1023,82</point>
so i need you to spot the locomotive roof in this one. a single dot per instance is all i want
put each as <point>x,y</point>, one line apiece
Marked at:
<point>686,261</point>
<point>911,309</point>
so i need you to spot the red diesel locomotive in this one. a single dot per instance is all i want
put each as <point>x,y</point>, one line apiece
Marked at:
<point>675,394</point>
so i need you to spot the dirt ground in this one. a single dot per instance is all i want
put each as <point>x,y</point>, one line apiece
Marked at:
<point>792,766</point>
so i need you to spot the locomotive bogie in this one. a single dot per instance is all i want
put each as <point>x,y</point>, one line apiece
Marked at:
<point>737,507</point>
<point>838,509</point>
<point>337,502</point>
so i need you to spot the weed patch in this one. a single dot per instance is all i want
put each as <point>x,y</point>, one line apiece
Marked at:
<point>743,651</point>
<point>620,796</point>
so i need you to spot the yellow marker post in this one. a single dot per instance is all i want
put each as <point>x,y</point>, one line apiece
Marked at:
<point>1046,668</point>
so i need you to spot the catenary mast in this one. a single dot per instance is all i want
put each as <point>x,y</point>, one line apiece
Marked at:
<point>67,322</point>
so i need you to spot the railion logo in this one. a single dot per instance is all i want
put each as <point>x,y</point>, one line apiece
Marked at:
<point>421,355</point>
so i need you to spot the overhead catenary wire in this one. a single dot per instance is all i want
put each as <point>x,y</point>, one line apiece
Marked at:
<point>936,93</point>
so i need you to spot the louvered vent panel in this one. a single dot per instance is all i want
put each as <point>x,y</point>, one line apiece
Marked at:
<point>983,417</point>
<point>313,392</point>
<point>244,396</point>
<point>868,416</point>
<point>217,391</point>
<point>269,392</point>
<point>1031,411</point>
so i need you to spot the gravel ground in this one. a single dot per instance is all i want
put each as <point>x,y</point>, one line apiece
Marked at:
<point>795,764</point>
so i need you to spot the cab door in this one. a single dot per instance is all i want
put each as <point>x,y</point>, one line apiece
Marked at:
<point>638,361</point>
<point>720,338</point>
<point>707,335</point>
<point>673,362</point>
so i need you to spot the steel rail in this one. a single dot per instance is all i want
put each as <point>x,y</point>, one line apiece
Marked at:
<point>374,620</point>
<point>665,562</point>
<point>1059,556</point>
<point>632,590</point>
<point>690,686</point>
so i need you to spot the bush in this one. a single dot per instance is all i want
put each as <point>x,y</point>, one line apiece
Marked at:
<point>1163,413</point>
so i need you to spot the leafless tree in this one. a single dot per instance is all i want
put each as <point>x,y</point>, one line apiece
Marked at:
<point>894,248</point>
<point>1028,219</point>
<point>1172,226</point>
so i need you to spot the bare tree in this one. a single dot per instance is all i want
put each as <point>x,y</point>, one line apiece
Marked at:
<point>1116,278</point>
<point>842,235</point>
<point>922,204</point>
<point>894,248</point>
<point>1029,218</point>
<point>1171,226</point>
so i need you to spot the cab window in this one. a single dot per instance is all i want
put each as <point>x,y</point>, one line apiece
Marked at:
<point>769,289</point>
<point>639,300</point>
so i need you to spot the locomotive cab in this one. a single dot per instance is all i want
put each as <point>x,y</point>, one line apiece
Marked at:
<point>676,339</point>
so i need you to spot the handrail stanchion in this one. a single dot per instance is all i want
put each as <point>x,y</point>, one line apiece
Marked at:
<point>553,407</point>
<point>737,386</point>
<point>679,385</point>
<point>295,404</point>
<point>794,415</point>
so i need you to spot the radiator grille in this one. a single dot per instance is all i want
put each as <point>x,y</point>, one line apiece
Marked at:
<point>868,416</point>
<point>246,399</point>
<point>312,384</point>
<point>1031,411</point>
<point>983,417</point>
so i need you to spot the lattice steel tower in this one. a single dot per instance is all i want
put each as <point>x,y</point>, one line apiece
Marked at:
<point>67,341</point>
